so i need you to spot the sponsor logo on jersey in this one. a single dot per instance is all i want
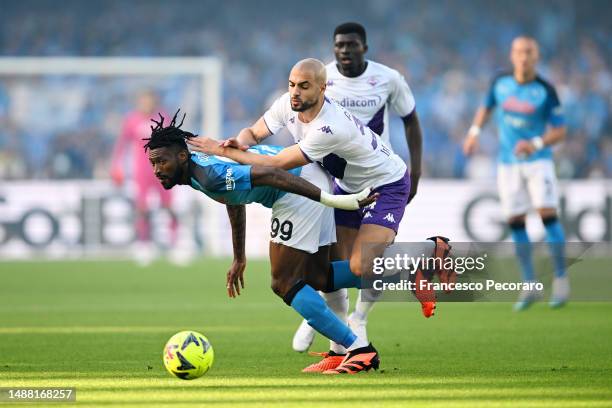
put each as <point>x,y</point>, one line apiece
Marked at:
<point>360,102</point>
<point>515,121</point>
<point>230,183</point>
<point>513,104</point>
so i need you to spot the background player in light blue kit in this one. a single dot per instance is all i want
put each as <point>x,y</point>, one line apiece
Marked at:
<point>529,121</point>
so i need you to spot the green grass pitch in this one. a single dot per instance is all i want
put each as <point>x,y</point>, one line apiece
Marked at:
<point>101,327</point>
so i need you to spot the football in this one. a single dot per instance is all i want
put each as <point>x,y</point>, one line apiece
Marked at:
<point>188,355</point>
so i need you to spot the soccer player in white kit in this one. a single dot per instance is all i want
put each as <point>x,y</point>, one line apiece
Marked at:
<point>328,134</point>
<point>368,90</point>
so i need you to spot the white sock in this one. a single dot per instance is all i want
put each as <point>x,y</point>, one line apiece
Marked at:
<point>358,343</point>
<point>363,307</point>
<point>339,304</point>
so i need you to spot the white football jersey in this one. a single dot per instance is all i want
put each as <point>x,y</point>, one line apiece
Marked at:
<point>370,95</point>
<point>341,143</point>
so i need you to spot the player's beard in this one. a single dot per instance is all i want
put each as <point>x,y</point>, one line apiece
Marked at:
<point>304,106</point>
<point>176,178</point>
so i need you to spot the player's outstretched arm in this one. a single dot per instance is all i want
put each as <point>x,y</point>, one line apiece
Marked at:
<point>282,180</point>
<point>248,136</point>
<point>266,172</point>
<point>470,145</point>
<point>288,158</point>
<point>235,275</point>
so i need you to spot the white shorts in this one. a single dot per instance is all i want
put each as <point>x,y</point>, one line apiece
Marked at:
<point>301,223</point>
<point>523,185</point>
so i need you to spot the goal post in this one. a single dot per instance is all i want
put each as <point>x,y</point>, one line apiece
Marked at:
<point>49,100</point>
<point>210,68</point>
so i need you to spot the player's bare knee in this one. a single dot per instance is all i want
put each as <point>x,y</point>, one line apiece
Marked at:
<point>547,213</point>
<point>280,287</point>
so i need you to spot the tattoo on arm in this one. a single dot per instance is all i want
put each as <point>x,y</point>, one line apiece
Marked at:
<point>237,216</point>
<point>259,131</point>
<point>258,138</point>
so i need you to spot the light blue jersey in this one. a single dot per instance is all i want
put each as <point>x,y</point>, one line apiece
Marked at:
<point>228,182</point>
<point>524,111</point>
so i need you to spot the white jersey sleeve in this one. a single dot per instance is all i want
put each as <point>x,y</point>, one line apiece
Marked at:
<point>401,99</point>
<point>276,117</point>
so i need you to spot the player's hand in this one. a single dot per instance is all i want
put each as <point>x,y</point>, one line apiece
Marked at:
<point>235,277</point>
<point>470,145</point>
<point>117,176</point>
<point>205,144</point>
<point>414,185</point>
<point>234,143</point>
<point>350,201</point>
<point>524,148</point>
<point>368,200</point>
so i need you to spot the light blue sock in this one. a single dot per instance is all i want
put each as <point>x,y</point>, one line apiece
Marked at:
<point>311,306</point>
<point>556,243</point>
<point>523,250</point>
<point>343,277</point>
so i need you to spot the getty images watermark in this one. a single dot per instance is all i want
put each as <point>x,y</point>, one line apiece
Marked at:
<point>405,263</point>
<point>487,271</point>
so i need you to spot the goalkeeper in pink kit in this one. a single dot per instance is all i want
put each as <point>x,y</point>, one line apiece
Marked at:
<point>147,193</point>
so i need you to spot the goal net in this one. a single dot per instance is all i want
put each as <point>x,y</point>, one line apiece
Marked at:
<point>59,121</point>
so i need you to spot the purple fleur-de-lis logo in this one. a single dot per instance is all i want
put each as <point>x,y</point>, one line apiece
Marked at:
<point>326,129</point>
<point>330,82</point>
<point>372,80</point>
<point>292,120</point>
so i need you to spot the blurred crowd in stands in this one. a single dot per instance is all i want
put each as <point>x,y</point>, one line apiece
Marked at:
<point>447,50</point>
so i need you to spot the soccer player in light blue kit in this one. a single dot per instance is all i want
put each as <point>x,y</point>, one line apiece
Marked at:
<point>530,121</point>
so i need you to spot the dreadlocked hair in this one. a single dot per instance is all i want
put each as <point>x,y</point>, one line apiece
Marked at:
<point>167,136</point>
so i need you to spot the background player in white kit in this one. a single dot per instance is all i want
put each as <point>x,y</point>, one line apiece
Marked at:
<point>368,90</point>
